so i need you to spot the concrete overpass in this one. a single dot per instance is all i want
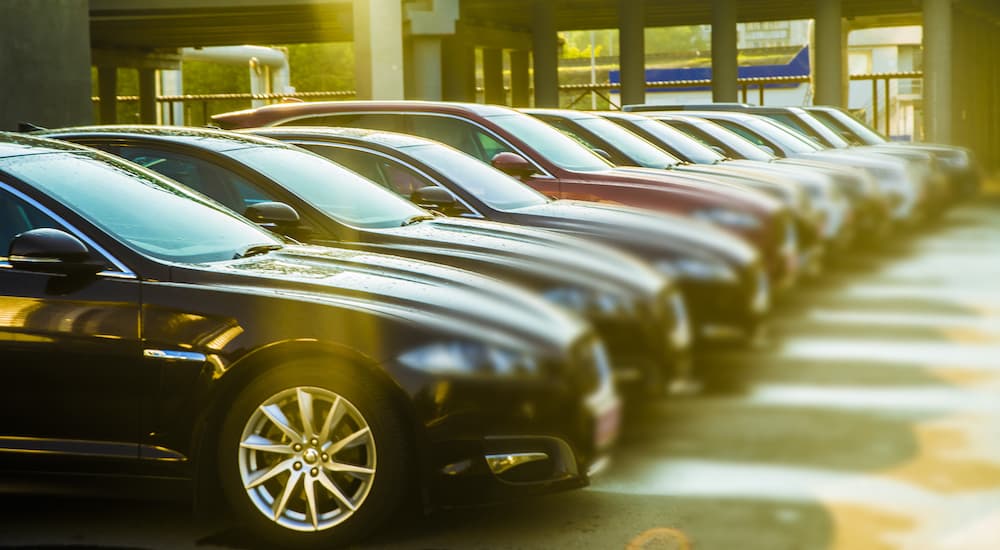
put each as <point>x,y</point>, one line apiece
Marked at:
<point>426,48</point>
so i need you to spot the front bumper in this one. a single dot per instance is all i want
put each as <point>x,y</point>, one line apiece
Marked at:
<point>729,311</point>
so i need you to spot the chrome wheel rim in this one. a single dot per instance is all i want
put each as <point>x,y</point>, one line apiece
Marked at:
<point>307,458</point>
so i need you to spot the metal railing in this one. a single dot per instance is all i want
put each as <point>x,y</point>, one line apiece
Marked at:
<point>197,109</point>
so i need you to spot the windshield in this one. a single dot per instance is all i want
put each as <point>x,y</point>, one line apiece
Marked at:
<point>555,146</point>
<point>642,152</point>
<point>491,186</point>
<point>141,209</point>
<point>769,131</point>
<point>685,146</point>
<point>713,134</point>
<point>342,194</point>
<point>844,121</point>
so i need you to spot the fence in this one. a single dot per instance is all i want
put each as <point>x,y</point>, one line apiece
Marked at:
<point>197,109</point>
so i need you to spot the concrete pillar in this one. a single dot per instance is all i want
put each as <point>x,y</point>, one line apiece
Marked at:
<point>520,74</point>
<point>937,70</point>
<point>426,74</point>
<point>493,76</point>
<point>147,96</point>
<point>459,72</point>
<point>45,62</point>
<point>545,49</point>
<point>724,64</point>
<point>378,49</point>
<point>829,54</point>
<point>107,86</point>
<point>632,50</point>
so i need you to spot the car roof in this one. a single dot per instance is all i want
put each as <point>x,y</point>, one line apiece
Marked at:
<point>357,135</point>
<point>623,115</point>
<point>205,138</point>
<point>282,111</point>
<point>17,145</point>
<point>561,113</point>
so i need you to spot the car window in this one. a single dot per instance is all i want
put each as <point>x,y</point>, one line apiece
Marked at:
<point>211,180</point>
<point>151,214</point>
<point>391,175</point>
<point>458,133</point>
<point>554,145</point>
<point>16,217</point>
<point>389,122</point>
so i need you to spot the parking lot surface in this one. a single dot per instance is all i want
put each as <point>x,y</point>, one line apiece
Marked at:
<point>870,419</point>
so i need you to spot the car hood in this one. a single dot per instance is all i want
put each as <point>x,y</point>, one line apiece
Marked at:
<point>691,185</point>
<point>393,287</point>
<point>509,251</point>
<point>652,235</point>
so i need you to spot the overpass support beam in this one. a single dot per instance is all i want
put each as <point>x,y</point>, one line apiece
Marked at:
<point>459,70</point>
<point>520,75</point>
<point>937,70</point>
<point>495,93</point>
<point>725,69</point>
<point>829,53</point>
<point>107,89</point>
<point>545,46</point>
<point>378,49</point>
<point>632,50</point>
<point>46,62</point>
<point>426,67</point>
<point>147,96</point>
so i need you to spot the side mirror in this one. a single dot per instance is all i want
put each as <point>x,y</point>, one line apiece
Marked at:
<point>604,155</point>
<point>273,214</point>
<point>718,149</point>
<point>513,164</point>
<point>48,250</point>
<point>435,198</point>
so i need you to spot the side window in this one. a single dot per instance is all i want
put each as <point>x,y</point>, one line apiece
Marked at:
<point>16,217</point>
<point>461,135</point>
<point>374,121</point>
<point>222,185</point>
<point>391,175</point>
<point>753,138</point>
<point>356,161</point>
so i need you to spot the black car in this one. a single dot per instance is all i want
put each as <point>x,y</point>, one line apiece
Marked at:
<point>632,306</point>
<point>725,287</point>
<point>147,332</point>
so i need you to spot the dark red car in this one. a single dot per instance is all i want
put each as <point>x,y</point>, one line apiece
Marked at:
<point>554,164</point>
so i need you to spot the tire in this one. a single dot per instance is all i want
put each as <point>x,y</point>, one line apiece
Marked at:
<point>356,446</point>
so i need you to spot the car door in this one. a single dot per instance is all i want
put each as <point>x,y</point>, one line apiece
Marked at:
<point>71,365</point>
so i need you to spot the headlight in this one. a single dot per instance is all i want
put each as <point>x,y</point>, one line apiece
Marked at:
<point>468,358</point>
<point>583,301</point>
<point>701,270</point>
<point>732,218</point>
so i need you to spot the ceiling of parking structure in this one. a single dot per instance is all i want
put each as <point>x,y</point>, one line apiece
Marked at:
<point>603,14</point>
<point>192,23</point>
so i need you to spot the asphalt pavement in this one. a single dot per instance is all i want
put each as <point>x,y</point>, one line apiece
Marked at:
<point>870,419</point>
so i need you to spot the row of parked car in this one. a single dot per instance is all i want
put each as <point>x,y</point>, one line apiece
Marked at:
<point>348,306</point>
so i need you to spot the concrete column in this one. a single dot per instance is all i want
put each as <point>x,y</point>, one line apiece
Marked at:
<point>107,87</point>
<point>829,54</point>
<point>45,63</point>
<point>545,49</point>
<point>632,50</point>
<point>937,70</point>
<point>493,76</point>
<point>147,96</point>
<point>378,49</point>
<point>724,64</point>
<point>426,74</point>
<point>459,73</point>
<point>520,74</point>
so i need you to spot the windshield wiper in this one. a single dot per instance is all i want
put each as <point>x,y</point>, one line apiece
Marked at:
<point>416,219</point>
<point>257,249</point>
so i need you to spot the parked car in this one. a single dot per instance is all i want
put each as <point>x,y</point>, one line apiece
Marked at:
<point>900,185</point>
<point>726,290</point>
<point>624,148</point>
<point>553,164</point>
<point>958,163</point>
<point>632,306</point>
<point>836,224</point>
<point>154,334</point>
<point>869,204</point>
